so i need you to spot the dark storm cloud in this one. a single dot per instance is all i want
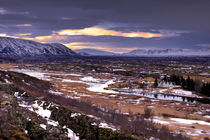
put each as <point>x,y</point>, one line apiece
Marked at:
<point>187,19</point>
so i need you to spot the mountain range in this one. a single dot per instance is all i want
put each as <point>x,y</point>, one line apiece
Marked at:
<point>168,52</point>
<point>15,48</point>
<point>20,48</point>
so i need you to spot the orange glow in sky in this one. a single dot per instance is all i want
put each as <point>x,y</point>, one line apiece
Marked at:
<point>96,31</point>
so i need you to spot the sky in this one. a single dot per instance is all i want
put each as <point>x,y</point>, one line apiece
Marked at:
<point>112,25</point>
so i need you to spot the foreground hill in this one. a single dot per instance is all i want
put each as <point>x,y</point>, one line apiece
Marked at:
<point>168,52</point>
<point>94,52</point>
<point>11,47</point>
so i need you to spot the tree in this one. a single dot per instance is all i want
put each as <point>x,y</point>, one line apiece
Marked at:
<point>198,85</point>
<point>156,83</point>
<point>206,89</point>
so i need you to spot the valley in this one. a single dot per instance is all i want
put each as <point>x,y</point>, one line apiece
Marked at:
<point>125,86</point>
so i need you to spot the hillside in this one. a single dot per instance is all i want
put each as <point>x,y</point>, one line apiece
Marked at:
<point>11,47</point>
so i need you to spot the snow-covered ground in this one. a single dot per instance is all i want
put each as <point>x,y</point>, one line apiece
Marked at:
<point>185,124</point>
<point>189,122</point>
<point>101,87</point>
<point>37,74</point>
<point>103,124</point>
<point>37,107</point>
<point>179,121</point>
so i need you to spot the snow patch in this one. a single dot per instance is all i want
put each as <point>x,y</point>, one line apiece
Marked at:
<point>181,92</point>
<point>186,121</point>
<point>101,87</point>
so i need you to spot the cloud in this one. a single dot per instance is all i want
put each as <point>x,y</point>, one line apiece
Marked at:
<point>120,23</point>
<point>203,45</point>
<point>3,11</point>
<point>96,31</point>
<point>7,12</point>
<point>6,35</point>
<point>47,39</point>
<point>24,34</point>
<point>83,45</point>
<point>23,25</point>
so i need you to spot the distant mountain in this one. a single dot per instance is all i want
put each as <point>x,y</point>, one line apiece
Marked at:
<point>94,52</point>
<point>168,52</point>
<point>11,47</point>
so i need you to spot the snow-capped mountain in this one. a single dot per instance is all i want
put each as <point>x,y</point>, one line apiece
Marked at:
<point>11,47</point>
<point>94,52</point>
<point>169,52</point>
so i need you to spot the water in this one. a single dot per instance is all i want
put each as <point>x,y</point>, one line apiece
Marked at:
<point>170,97</point>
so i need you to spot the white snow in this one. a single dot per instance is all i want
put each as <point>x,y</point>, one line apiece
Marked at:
<point>181,92</point>
<point>40,111</point>
<point>73,74</point>
<point>160,121</point>
<point>33,73</point>
<point>75,114</point>
<point>71,81</point>
<point>56,92</point>
<point>43,126</point>
<point>71,134</point>
<point>51,122</point>
<point>98,87</point>
<point>7,81</point>
<point>105,125</point>
<point>186,121</point>
<point>23,48</point>
<point>90,79</point>
<point>178,121</point>
<point>112,95</point>
<point>207,116</point>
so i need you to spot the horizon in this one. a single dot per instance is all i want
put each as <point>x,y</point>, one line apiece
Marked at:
<point>117,27</point>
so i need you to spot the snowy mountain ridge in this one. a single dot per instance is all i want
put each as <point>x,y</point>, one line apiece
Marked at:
<point>11,47</point>
<point>168,52</point>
